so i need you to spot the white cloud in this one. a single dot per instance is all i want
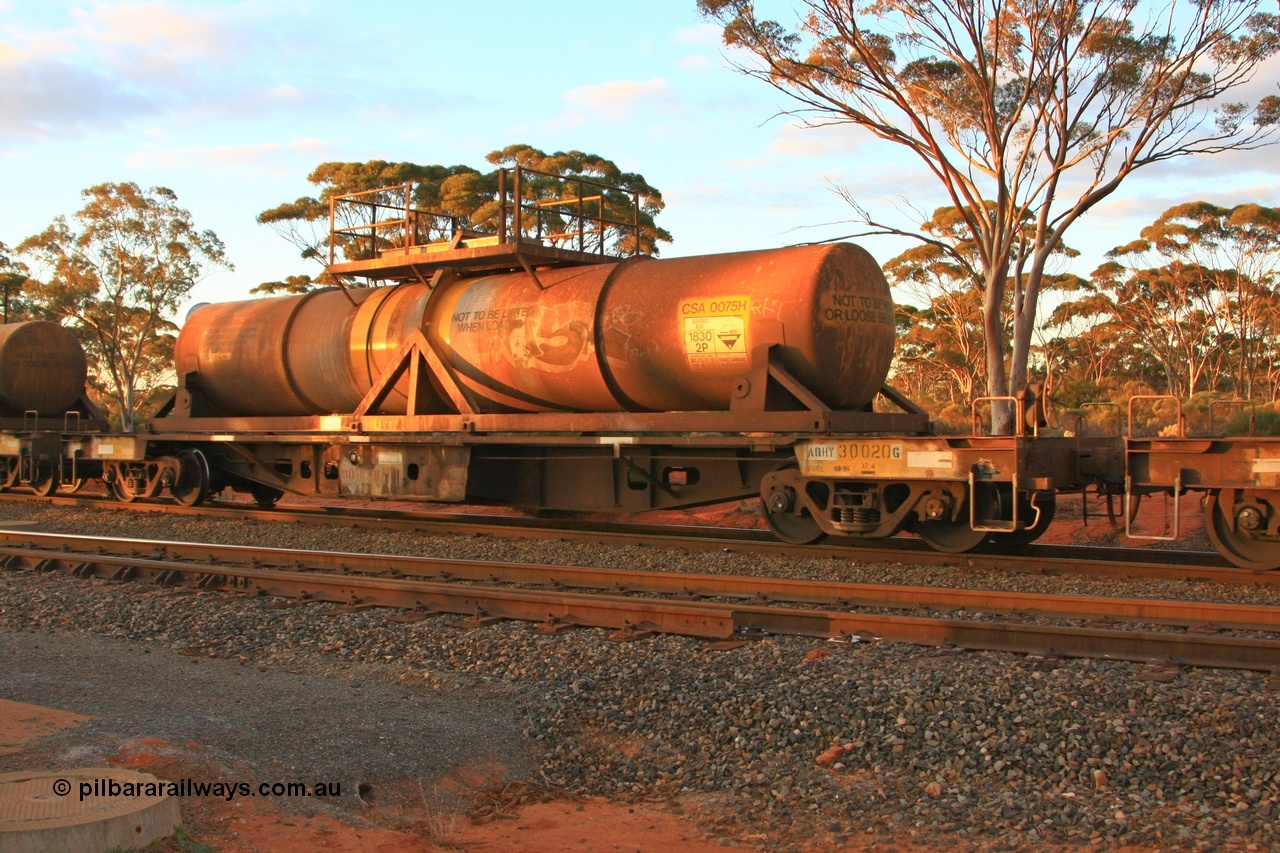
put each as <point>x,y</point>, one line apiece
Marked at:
<point>695,62</point>
<point>798,140</point>
<point>43,96</point>
<point>262,156</point>
<point>706,37</point>
<point>113,64</point>
<point>1143,208</point>
<point>153,38</point>
<point>701,35</point>
<point>1229,165</point>
<point>800,197</point>
<point>622,99</point>
<point>1262,84</point>
<point>251,102</point>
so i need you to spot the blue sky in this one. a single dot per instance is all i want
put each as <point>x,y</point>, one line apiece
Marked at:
<point>232,104</point>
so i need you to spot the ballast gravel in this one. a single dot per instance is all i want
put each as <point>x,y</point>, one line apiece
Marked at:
<point>790,737</point>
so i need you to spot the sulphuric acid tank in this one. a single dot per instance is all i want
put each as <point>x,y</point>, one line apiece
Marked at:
<point>42,368</point>
<point>318,353</point>
<point>640,335</point>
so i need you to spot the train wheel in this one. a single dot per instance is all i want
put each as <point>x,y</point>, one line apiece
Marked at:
<point>191,486</point>
<point>265,496</point>
<point>44,479</point>
<point>70,487</point>
<point>789,521</point>
<point>956,537</point>
<point>1241,546</point>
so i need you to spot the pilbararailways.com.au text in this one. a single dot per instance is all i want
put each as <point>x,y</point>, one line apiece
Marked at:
<point>227,790</point>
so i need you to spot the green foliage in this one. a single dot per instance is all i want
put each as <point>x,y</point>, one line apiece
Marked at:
<point>1263,421</point>
<point>954,420</point>
<point>465,192</point>
<point>1158,417</point>
<point>944,344</point>
<point>1076,391</point>
<point>1092,420</point>
<point>113,274</point>
<point>179,842</point>
<point>15,304</point>
<point>294,284</point>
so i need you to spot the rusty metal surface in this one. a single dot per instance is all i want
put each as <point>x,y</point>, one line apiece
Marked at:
<point>830,593</point>
<point>521,344</point>
<point>641,335</point>
<point>313,354</point>
<point>713,620</point>
<point>669,335</point>
<point>1251,462</point>
<point>828,306</point>
<point>422,262</point>
<point>42,368</point>
<point>763,428</point>
<point>385,321</point>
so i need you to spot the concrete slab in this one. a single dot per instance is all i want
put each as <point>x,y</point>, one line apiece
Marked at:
<point>86,810</point>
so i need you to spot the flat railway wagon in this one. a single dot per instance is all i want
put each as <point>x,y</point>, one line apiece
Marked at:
<point>536,366</point>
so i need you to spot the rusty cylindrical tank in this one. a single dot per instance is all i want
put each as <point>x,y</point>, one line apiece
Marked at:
<point>314,354</point>
<point>643,334</point>
<point>42,367</point>
<point>669,335</point>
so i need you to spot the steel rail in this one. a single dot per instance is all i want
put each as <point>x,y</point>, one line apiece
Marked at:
<point>1088,561</point>
<point>835,594</point>
<point>557,608</point>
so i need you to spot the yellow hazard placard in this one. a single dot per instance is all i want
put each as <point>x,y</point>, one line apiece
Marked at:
<point>715,332</point>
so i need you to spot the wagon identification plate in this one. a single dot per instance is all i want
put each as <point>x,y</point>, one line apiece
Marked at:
<point>715,332</point>
<point>869,457</point>
<point>865,457</point>
<point>117,447</point>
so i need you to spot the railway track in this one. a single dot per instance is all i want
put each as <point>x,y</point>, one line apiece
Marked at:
<point>1087,561</point>
<point>717,607</point>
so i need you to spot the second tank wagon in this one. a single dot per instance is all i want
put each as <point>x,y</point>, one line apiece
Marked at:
<point>42,369</point>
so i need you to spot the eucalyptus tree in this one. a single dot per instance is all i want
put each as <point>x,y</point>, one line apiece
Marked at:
<point>1167,310</point>
<point>14,304</point>
<point>114,273</point>
<point>943,341</point>
<point>1236,252</point>
<point>1020,110</point>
